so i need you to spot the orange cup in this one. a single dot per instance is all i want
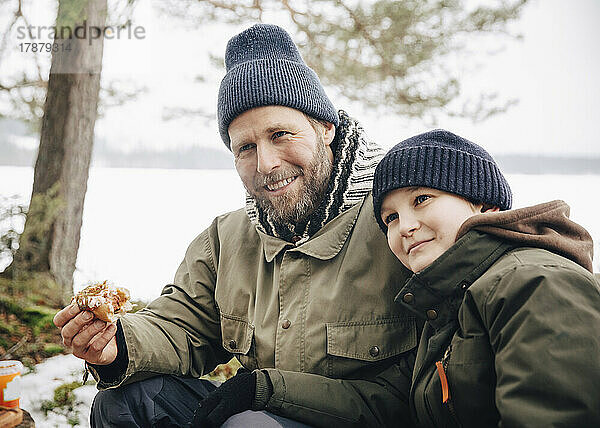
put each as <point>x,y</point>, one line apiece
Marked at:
<point>10,383</point>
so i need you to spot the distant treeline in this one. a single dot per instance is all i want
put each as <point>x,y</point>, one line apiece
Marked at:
<point>209,158</point>
<point>179,158</point>
<point>536,164</point>
<point>104,156</point>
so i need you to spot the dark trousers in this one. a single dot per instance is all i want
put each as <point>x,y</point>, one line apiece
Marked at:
<point>167,401</point>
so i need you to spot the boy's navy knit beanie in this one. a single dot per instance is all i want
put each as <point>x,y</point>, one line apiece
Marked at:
<point>264,68</point>
<point>441,160</point>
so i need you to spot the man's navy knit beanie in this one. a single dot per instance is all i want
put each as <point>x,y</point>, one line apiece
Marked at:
<point>264,68</point>
<point>441,160</point>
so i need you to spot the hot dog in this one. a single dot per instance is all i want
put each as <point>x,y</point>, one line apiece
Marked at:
<point>105,301</point>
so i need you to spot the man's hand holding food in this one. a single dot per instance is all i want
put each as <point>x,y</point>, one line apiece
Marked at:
<point>91,339</point>
<point>88,326</point>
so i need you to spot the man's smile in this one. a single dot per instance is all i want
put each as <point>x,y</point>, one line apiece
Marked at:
<point>281,184</point>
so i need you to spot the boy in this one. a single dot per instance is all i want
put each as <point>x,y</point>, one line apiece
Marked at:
<point>512,308</point>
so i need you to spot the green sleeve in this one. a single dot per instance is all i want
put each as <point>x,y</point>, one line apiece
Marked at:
<point>179,332</point>
<point>544,324</point>
<point>319,401</point>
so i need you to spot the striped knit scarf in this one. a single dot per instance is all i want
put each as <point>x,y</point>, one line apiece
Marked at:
<point>351,180</point>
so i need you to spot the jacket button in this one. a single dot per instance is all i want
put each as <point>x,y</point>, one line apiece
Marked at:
<point>286,324</point>
<point>296,238</point>
<point>374,351</point>
<point>431,314</point>
<point>232,344</point>
<point>408,298</point>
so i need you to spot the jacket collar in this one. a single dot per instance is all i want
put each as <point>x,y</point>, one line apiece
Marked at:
<point>324,245</point>
<point>436,292</point>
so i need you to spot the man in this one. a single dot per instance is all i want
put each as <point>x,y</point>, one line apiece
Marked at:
<point>299,286</point>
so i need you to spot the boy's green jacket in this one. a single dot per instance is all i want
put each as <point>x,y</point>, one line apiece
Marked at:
<point>513,331</point>
<point>311,314</point>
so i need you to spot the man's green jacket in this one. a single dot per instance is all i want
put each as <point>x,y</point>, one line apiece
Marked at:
<point>320,317</point>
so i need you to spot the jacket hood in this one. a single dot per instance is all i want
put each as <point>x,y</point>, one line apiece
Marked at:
<point>544,226</point>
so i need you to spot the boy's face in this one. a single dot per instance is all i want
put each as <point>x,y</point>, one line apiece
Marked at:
<point>423,223</point>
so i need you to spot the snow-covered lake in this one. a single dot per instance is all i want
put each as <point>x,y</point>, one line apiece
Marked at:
<point>137,223</point>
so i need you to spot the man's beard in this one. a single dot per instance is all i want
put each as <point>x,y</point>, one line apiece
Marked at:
<point>295,207</point>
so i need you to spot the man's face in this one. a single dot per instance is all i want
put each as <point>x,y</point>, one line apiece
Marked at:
<point>423,223</point>
<point>284,162</point>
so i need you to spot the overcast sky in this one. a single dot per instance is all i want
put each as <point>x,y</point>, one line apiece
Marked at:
<point>554,73</point>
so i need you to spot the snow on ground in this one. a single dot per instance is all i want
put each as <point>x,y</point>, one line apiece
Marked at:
<point>39,385</point>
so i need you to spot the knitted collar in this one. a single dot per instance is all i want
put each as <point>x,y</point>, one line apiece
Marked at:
<point>355,159</point>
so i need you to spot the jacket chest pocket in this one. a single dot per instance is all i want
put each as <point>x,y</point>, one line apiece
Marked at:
<point>353,345</point>
<point>237,338</point>
<point>472,381</point>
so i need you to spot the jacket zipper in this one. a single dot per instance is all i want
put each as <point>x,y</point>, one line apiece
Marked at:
<point>442,368</point>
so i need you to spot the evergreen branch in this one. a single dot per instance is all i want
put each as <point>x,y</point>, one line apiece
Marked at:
<point>361,27</point>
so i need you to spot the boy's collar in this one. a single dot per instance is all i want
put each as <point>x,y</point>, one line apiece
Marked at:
<point>433,293</point>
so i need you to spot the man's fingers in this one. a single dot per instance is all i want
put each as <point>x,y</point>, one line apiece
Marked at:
<point>88,338</point>
<point>99,342</point>
<point>75,326</point>
<point>65,315</point>
<point>83,338</point>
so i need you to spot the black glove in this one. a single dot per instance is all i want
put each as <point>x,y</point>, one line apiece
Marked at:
<point>233,396</point>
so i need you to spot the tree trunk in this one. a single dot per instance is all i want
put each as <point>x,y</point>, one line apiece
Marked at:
<point>50,240</point>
